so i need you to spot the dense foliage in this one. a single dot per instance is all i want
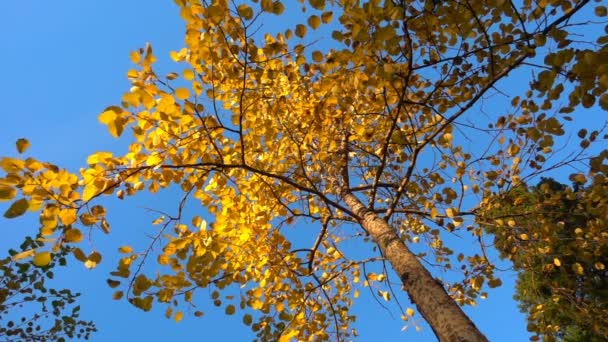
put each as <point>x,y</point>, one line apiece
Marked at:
<point>557,239</point>
<point>383,146</point>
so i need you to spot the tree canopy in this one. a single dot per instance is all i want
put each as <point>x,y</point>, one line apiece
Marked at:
<point>383,145</point>
<point>560,248</point>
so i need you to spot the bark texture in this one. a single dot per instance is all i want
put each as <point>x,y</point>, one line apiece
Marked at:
<point>443,314</point>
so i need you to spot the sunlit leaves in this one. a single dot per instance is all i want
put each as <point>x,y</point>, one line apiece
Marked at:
<point>245,11</point>
<point>10,165</point>
<point>254,127</point>
<point>42,259</point>
<point>135,57</point>
<point>92,260</point>
<point>182,93</point>
<point>113,118</point>
<point>188,74</point>
<point>125,249</point>
<point>578,269</point>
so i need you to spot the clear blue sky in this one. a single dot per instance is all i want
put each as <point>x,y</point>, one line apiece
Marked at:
<point>61,63</point>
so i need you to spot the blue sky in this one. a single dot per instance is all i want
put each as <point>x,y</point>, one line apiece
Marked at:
<point>62,62</point>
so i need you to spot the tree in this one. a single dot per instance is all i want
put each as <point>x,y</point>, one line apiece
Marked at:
<point>360,142</point>
<point>559,247</point>
<point>22,284</point>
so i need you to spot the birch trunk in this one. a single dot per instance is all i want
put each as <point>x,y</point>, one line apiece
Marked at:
<point>446,318</point>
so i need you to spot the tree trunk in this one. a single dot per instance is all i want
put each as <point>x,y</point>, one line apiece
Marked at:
<point>448,321</point>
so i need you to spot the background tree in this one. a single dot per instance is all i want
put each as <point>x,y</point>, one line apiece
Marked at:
<point>31,310</point>
<point>374,140</point>
<point>557,239</point>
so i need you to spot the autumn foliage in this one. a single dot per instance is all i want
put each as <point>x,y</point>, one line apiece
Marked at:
<point>392,136</point>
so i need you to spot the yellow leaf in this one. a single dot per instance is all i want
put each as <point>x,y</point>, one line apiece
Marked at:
<point>245,11</point>
<point>88,219</point>
<point>107,116</point>
<point>23,255</point>
<point>73,235</point>
<point>179,316</point>
<point>511,223</point>
<point>230,310</point>
<point>317,4</point>
<point>42,259</point>
<point>513,149</point>
<point>67,216</point>
<point>451,212</point>
<point>277,7</point>
<point>495,282</point>
<point>287,336</point>
<point>89,191</point>
<point>79,254</point>
<point>247,319</point>
<point>578,178</point>
<point>317,56</point>
<point>135,57</point>
<point>154,159</point>
<point>16,209</point>
<point>111,117</point>
<point>98,157</point>
<point>105,226</point>
<point>22,145</point>
<point>11,165</point>
<point>257,304</point>
<point>326,17</point>
<point>182,93</point>
<point>301,30</point>
<point>159,220</point>
<point>599,266</point>
<point>257,293</point>
<point>188,74</point>
<point>7,192</point>
<point>314,22</point>
<point>125,249</point>
<point>557,262</point>
<point>92,260</point>
<point>409,312</point>
<point>578,269</point>
<point>524,236</point>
